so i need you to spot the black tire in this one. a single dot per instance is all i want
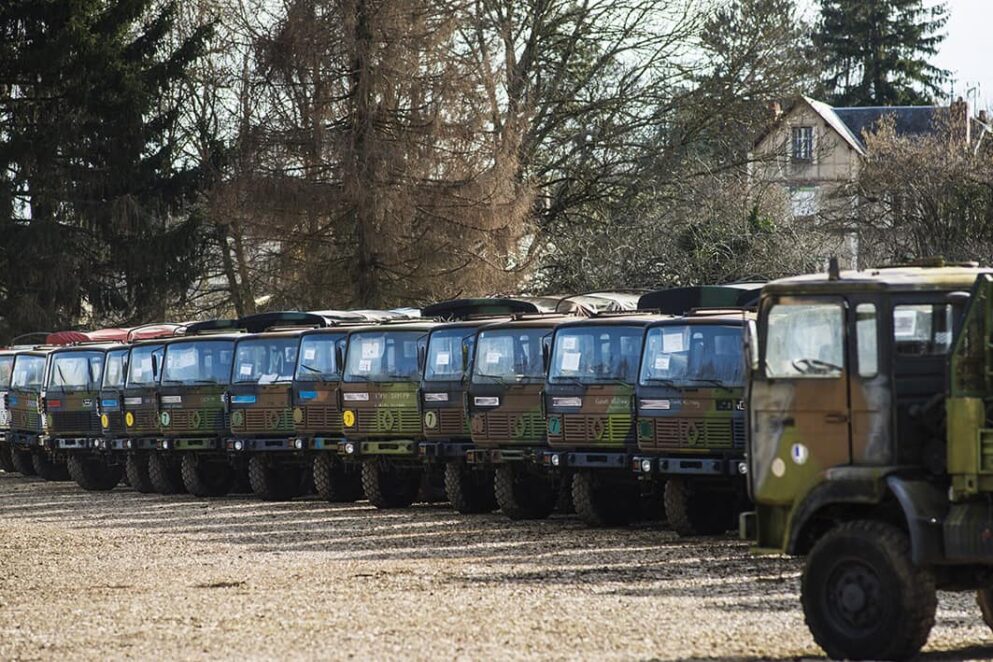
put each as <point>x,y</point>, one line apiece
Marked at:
<point>136,469</point>
<point>47,468</point>
<point>692,511</point>
<point>93,473</point>
<point>274,481</point>
<point>336,482</point>
<point>984,598</point>
<point>241,484</point>
<point>6,458</point>
<point>602,502</point>
<point>205,478</point>
<point>863,598</point>
<point>22,462</point>
<point>564,505</point>
<point>387,486</point>
<point>165,475</point>
<point>469,490</point>
<point>523,495</point>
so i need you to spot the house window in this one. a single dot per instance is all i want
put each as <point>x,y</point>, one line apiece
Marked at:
<point>803,143</point>
<point>803,201</point>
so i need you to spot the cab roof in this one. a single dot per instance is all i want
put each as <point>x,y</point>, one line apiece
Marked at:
<point>680,300</point>
<point>460,309</point>
<point>88,347</point>
<point>546,321</point>
<point>898,278</point>
<point>399,325</point>
<point>643,319</point>
<point>723,316</point>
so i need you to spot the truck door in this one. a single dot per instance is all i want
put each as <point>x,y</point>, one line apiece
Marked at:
<point>799,413</point>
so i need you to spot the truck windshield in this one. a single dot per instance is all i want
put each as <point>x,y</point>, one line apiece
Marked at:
<point>265,360</point>
<point>510,355</point>
<point>6,369</point>
<point>317,357</point>
<point>383,356</point>
<point>115,369</point>
<point>694,355</point>
<point>445,350</point>
<point>198,362</point>
<point>76,371</point>
<point>142,370</point>
<point>591,354</point>
<point>29,370</point>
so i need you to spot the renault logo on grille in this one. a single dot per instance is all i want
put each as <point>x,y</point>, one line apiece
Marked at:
<point>386,419</point>
<point>520,426</point>
<point>272,419</point>
<point>195,419</point>
<point>598,428</point>
<point>692,434</point>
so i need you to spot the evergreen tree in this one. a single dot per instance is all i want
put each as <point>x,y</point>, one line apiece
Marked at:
<point>876,51</point>
<point>95,207</point>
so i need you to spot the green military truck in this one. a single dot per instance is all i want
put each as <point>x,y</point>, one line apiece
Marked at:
<point>869,454</point>
<point>380,419</point>
<point>446,434</point>
<point>193,412</point>
<point>130,417</point>
<point>6,371</point>
<point>28,424</point>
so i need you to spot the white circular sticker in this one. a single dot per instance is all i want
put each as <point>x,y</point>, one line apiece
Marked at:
<point>799,453</point>
<point>778,467</point>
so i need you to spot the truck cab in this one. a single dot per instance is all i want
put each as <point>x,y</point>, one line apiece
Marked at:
<point>6,370</point>
<point>866,455</point>
<point>27,416</point>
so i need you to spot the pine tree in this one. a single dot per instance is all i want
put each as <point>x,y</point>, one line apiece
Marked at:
<point>95,204</point>
<point>876,51</point>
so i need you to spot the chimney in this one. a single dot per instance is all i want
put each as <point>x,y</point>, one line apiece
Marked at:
<point>958,117</point>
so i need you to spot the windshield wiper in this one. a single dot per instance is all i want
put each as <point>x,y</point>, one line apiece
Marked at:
<point>662,380</point>
<point>307,367</point>
<point>705,380</point>
<point>568,379</point>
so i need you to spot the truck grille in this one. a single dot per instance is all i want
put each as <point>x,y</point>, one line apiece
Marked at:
<point>66,422</point>
<point>116,420</point>
<point>390,421</point>
<point>196,420</point>
<point>691,433</point>
<point>524,427</point>
<point>22,419</point>
<point>606,429</point>
<point>145,421</point>
<point>451,423</point>
<point>266,420</point>
<point>322,419</point>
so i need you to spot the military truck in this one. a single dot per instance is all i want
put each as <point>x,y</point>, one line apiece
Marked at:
<point>446,434</point>
<point>6,370</point>
<point>868,453</point>
<point>260,400</point>
<point>28,424</point>
<point>380,418</point>
<point>691,418</point>
<point>590,410</point>
<point>134,404</point>
<point>193,412</point>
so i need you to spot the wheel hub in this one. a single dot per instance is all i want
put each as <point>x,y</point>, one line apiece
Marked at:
<point>854,597</point>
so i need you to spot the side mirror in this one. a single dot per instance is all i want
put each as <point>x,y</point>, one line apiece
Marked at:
<point>546,355</point>
<point>339,358</point>
<point>155,366</point>
<point>422,354</point>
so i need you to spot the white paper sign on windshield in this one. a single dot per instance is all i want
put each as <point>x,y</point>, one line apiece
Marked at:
<point>370,350</point>
<point>309,354</point>
<point>672,342</point>
<point>245,369</point>
<point>904,323</point>
<point>493,357</point>
<point>443,358</point>
<point>570,361</point>
<point>365,365</point>
<point>569,342</point>
<point>662,362</point>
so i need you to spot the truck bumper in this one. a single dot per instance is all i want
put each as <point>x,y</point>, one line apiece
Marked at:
<point>585,459</point>
<point>655,465</point>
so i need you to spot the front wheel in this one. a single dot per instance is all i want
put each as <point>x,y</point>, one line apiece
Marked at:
<point>984,598</point>
<point>336,482</point>
<point>136,469</point>
<point>49,469</point>
<point>693,510</point>
<point>603,502</point>
<point>93,474</point>
<point>522,494</point>
<point>21,461</point>
<point>165,475</point>
<point>863,598</point>
<point>469,490</point>
<point>388,486</point>
<point>273,481</point>
<point>205,478</point>
<point>6,458</point>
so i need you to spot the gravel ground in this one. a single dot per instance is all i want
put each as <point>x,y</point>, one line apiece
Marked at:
<point>125,575</point>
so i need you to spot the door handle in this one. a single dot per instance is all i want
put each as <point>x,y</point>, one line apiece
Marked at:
<point>835,418</point>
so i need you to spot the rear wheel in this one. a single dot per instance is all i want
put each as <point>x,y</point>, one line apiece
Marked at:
<point>21,461</point>
<point>136,469</point>
<point>388,486</point>
<point>863,598</point>
<point>93,473</point>
<point>273,481</point>
<point>6,458</point>
<point>984,598</point>
<point>205,477</point>
<point>603,502</point>
<point>693,510</point>
<point>336,482</point>
<point>524,495</point>
<point>165,474</point>
<point>468,490</point>
<point>49,469</point>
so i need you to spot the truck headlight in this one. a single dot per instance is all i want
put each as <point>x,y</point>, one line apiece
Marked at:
<point>239,445</point>
<point>646,466</point>
<point>350,448</point>
<point>743,468</point>
<point>298,444</point>
<point>556,460</point>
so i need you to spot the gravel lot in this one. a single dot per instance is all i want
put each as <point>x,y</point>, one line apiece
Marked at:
<point>125,575</point>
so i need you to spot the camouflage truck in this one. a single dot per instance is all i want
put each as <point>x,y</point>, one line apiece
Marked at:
<point>690,399</point>
<point>447,437</point>
<point>507,424</point>
<point>28,424</point>
<point>262,405</point>
<point>71,402</point>
<point>590,409</point>
<point>130,416</point>
<point>6,370</point>
<point>193,411</point>
<point>380,417</point>
<point>869,407</point>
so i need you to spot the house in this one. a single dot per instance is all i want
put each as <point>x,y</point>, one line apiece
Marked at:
<point>811,149</point>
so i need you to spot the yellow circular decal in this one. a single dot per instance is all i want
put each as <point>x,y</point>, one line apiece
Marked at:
<point>105,420</point>
<point>348,418</point>
<point>298,415</point>
<point>129,419</point>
